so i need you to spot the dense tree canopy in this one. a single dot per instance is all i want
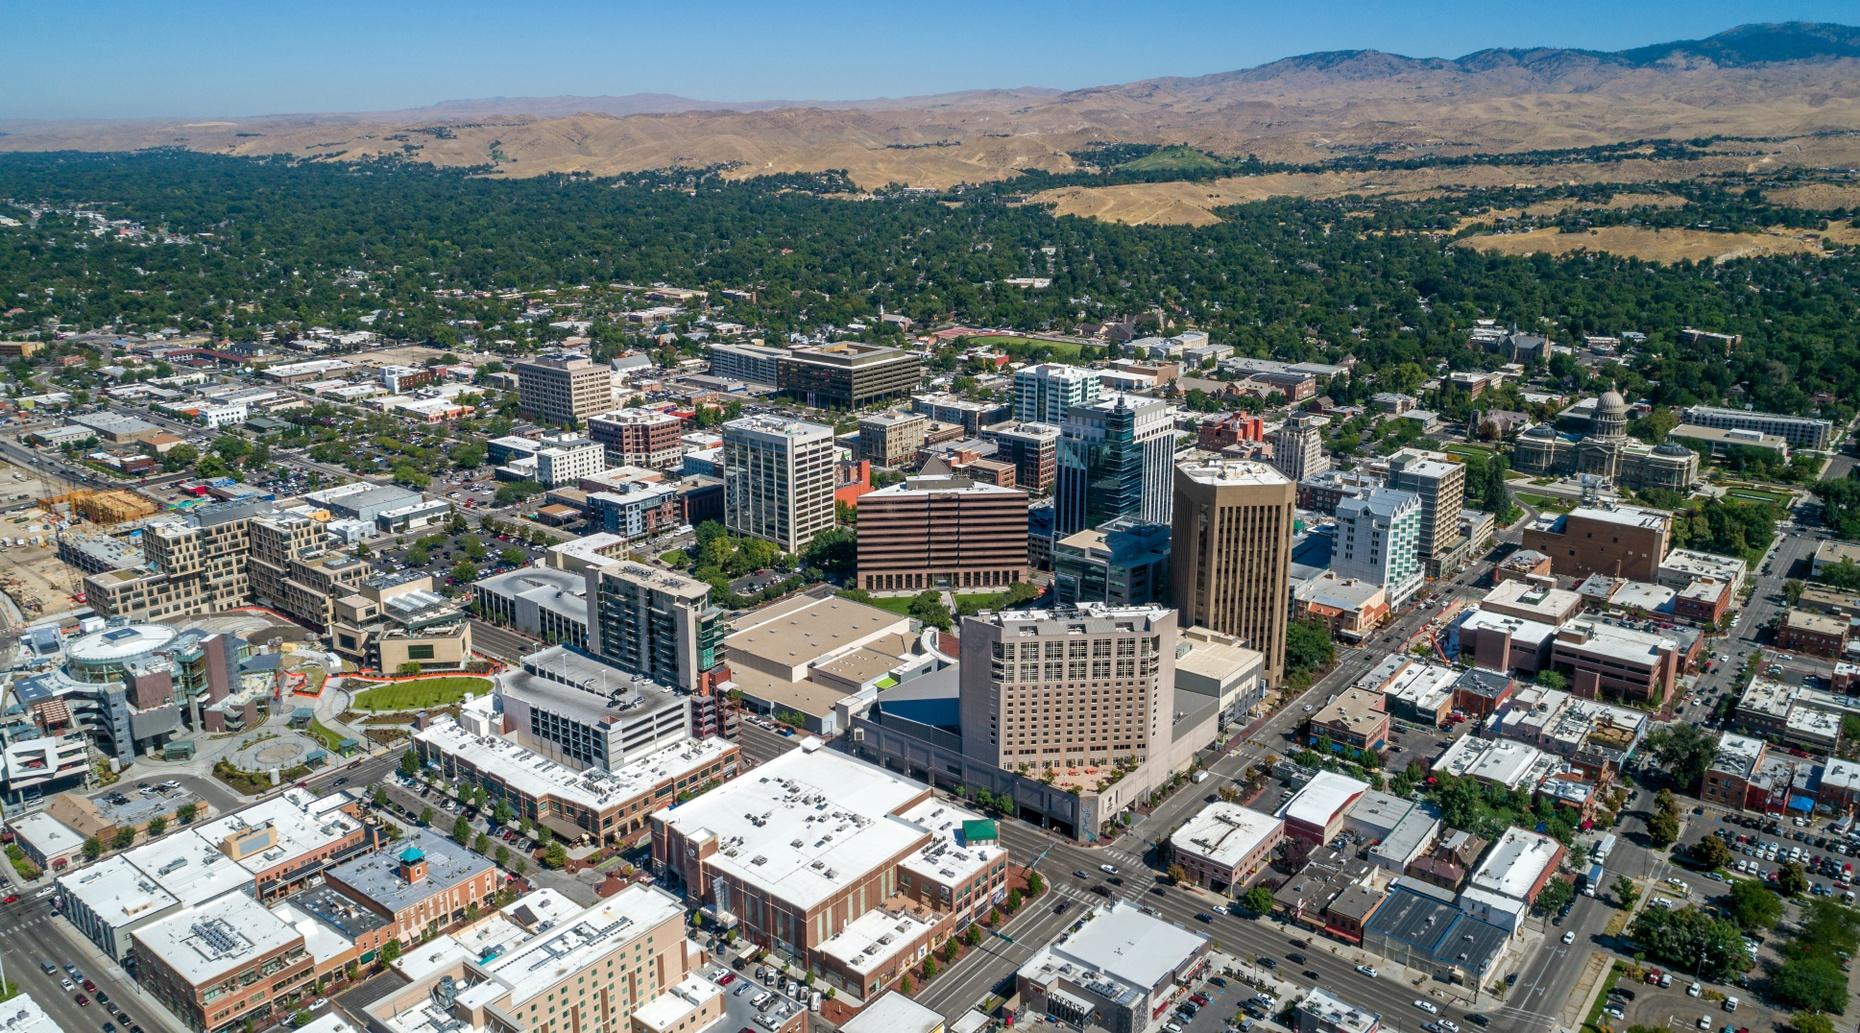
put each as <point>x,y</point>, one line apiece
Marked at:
<point>245,243</point>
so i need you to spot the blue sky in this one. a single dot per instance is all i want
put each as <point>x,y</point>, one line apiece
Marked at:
<point>103,59</point>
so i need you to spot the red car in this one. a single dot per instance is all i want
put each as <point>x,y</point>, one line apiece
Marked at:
<point>83,1001</point>
<point>11,898</point>
<point>88,985</point>
<point>726,979</point>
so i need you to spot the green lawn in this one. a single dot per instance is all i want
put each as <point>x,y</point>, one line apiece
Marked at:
<point>324,734</point>
<point>1462,449</point>
<point>898,604</point>
<point>1013,343</point>
<point>1179,158</point>
<point>1774,498</point>
<point>421,692</point>
<point>1537,501</point>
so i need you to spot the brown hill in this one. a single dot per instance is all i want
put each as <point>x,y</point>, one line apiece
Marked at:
<point>1769,80</point>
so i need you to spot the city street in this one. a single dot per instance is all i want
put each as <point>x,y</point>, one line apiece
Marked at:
<point>30,933</point>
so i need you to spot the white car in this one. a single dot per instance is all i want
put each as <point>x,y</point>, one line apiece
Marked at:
<point>1705,1022</point>
<point>1427,1006</point>
<point>1108,869</point>
<point>1449,1025</point>
<point>1368,970</point>
<point>1694,990</point>
<point>1570,936</point>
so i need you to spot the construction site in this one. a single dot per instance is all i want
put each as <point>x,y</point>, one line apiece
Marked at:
<point>35,507</point>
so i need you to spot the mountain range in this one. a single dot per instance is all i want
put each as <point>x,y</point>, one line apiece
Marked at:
<point>1771,80</point>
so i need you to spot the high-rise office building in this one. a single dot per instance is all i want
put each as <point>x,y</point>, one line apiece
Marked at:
<point>892,438</point>
<point>1091,686</point>
<point>562,387</point>
<point>1045,393</point>
<point>778,479</point>
<point>1033,448</point>
<point>942,533</point>
<point>655,622</point>
<point>1125,563</point>
<point>640,437</point>
<point>1441,484</point>
<point>1378,541</point>
<point>847,374</point>
<point>1231,551</point>
<point>1114,461</point>
<point>1298,447</point>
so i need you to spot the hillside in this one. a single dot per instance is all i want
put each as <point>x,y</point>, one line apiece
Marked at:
<point>1759,80</point>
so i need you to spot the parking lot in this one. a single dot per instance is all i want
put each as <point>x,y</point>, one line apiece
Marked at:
<point>1636,1002</point>
<point>1829,858</point>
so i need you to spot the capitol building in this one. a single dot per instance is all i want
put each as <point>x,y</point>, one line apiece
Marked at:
<point>1606,451</point>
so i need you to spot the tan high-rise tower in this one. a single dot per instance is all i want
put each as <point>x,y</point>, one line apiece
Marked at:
<point>1231,553</point>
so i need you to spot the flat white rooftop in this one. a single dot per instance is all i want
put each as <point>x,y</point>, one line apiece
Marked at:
<point>1225,833</point>
<point>207,941</point>
<point>1132,947</point>
<point>804,825</point>
<point>894,1013</point>
<point>21,1014</point>
<point>1515,863</point>
<point>538,777</point>
<point>871,941</point>
<point>1501,761</point>
<point>565,949</point>
<point>1322,798</point>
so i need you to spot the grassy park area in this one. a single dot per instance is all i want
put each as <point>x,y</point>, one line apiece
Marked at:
<point>416,693</point>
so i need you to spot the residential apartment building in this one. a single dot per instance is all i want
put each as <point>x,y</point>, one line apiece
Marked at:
<point>640,437</point>
<point>216,963</point>
<point>621,964</point>
<point>607,806</point>
<point>563,387</point>
<point>1298,447</point>
<point>847,374</point>
<point>229,555</point>
<point>1033,449</point>
<point>749,363</point>
<point>1378,541</point>
<point>778,480</point>
<point>1046,392</point>
<point>1441,485</point>
<point>1798,431</point>
<point>1230,553</point>
<point>1114,461</point>
<point>1092,686</point>
<point>1612,539</point>
<point>1124,563</point>
<point>942,533</point>
<point>892,438</point>
<point>654,622</point>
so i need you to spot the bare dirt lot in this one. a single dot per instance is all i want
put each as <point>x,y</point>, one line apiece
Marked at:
<point>1665,245</point>
<point>1817,196</point>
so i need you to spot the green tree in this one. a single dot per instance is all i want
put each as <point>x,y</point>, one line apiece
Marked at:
<point>502,856</point>
<point>511,556</point>
<point>410,764</point>
<point>1035,884</point>
<point>1013,901</point>
<point>927,606</point>
<point>1690,939</point>
<point>482,843</point>
<point>930,968</point>
<point>1257,900</point>
<point>123,838</point>
<point>464,572</point>
<point>390,951</point>
<point>1752,905</point>
<point>461,829</point>
<point>92,848</point>
<point>1811,1022</point>
<point>1684,751</point>
<point>379,797</point>
<point>1711,852</point>
<point>1555,894</point>
<point>157,826</point>
<point>1309,647</point>
<point>1626,892</point>
<point>555,856</point>
<point>426,817</point>
<point>1663,828</point>
<point>186,812</point>
<point>1811,984</point>
<point>1791,880</point>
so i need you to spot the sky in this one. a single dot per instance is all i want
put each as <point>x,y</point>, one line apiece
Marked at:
<point>170,58</point>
